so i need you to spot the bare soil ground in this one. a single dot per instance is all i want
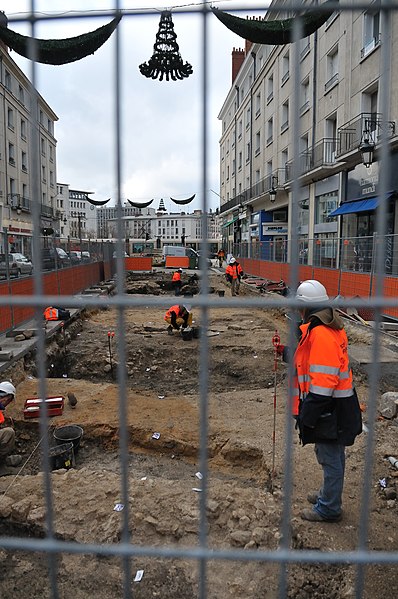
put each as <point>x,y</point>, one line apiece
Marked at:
<point>163,397</point>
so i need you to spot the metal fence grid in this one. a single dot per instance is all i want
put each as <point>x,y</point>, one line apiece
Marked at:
<point>201,553</point>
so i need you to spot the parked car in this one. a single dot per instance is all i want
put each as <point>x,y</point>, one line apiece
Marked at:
<point>75,257</point>
<point>125,254</point>
<point>86,257</point>
<point>54,258</point>
<point>12,266</point>
<point>25,266</point>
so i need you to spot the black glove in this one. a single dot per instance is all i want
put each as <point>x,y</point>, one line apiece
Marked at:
<point>229,278</point>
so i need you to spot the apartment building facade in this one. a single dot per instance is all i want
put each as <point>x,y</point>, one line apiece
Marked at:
<point>337,98</point>
<point>27,173</point>
<point>156,227</point>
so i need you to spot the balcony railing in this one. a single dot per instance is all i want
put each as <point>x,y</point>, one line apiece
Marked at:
<point>350,134</point>
<point>322,154</point>
<point>260,188</point>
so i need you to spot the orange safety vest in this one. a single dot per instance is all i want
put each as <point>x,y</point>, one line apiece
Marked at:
<point>2,419</point>
<point>175,309</point>
<point>51,313</point>
<point>321,364</point>
<point>176,276</point>
<point>234,270</point>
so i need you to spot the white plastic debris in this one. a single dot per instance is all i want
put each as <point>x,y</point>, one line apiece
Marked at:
<point>196,489</point>
<point>143,478</point>
<point>383,483</point>
<point>138,575</point>
<point>156,436</point>
<point>147,369</point>
<point>393,461</point>
<point>118,507</point>
<point>199,475</point>
<point>161,396</point>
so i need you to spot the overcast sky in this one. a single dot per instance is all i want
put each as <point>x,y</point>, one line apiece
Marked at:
<point>161,121</point>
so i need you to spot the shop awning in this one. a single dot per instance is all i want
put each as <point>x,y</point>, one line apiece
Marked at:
<point>230,222</point>
<point>357,206</point>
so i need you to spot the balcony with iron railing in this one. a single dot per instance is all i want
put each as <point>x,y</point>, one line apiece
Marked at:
<point>321,156</point>
<point>371,123</point>
<point>275,180</point>
<point>18,202</point>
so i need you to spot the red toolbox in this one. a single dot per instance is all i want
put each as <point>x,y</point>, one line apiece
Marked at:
<point>55,406</point>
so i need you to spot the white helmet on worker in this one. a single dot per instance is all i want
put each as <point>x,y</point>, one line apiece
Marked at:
<point>7,388</point>
<point>232,260</point>
<point>180,270</point>
<point>311,291</point>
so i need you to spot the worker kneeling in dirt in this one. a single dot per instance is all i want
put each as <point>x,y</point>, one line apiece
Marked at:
<point>178,317</point>
<point>7,433</point>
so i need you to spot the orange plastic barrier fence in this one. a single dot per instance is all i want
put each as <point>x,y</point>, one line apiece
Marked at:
<point>177,262</point>
<point>138,263</point>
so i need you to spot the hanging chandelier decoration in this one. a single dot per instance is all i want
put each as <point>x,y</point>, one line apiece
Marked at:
<point>138,205</point>
<point>166,59</point>
<point>183,202</point>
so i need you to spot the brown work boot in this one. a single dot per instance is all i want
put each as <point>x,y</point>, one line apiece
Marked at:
<point>313,497</point>
<point>312,516</point>
<point>169,330</point>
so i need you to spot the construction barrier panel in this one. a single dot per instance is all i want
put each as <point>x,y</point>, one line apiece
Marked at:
<point>138,263</point>
<point>177,262</point>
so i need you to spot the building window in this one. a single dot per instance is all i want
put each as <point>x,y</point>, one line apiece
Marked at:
<point>10,119</point>
<point>258,143</point>
<point>43,146</point>
<point>285,68</point>
<point>7,80</point>
<point>240,129</point>
<point>51,150</point>
<point>305,96</point>
<point>371,32</point>
<point>258,104</point>
<point>332,69</point>
<point>23,128</point>
<point>43,174</point>
<point>11,154</point>
<point>270,131</point>
<point>248,118</point>
<point>270,88</point>
<point>285,116</point>
<point>324,205</point>
<point>240,158</point>
<point>248,151</point>
<point>21,94</point>
<point>24,161</point>
<point>304,47</point>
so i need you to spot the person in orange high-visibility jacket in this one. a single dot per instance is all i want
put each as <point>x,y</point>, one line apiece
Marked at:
<point>325,402</point>
<point>51,313</point>
<point>176,281</point>
<point>233,273</point>
<point>178,317</point>
<point>7,433</point>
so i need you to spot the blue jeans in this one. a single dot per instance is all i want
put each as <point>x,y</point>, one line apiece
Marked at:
<point>332,459</point>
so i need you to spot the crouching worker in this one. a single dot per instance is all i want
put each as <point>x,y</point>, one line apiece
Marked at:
<point>178,317</point>
<point>325,402</point>
<point>7,433</point>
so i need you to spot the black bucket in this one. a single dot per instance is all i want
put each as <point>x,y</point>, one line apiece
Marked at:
<point>62,456</point>
<point>221,293</point>
<point>187,334</point>
<point>195,332</point>
<point>71,433</point>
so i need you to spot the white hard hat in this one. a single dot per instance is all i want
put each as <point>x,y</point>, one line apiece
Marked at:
<point>7,388</point>
<point>232,260</point>
<point>311,291</point>
<point>180,270</point>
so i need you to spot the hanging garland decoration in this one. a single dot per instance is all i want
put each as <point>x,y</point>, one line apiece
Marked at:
<point>138,205</point>
<point>275,32</point>
<point>183,202</point>
<point>58,51</point>
<point>97,202</point>
<point>166,59</point>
